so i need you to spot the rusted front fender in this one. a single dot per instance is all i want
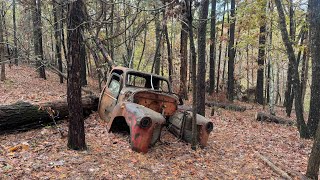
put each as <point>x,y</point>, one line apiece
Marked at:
<point>145,125</point>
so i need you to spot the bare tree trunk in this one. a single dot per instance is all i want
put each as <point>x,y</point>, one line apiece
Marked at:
<point>247,54</point>
<point>212,46</point>
<point>83,59</point>
<point>270,81</point>
<point>37,35</point>
<point>304,73</point>
<point>223,82</point>
<point>144,45</point>
<point>261,54</point>
<point>63,21</point>
<point>111,30</point>
<point>194,78</point>
<point>231,54</point>
<point>289,94</point>
<point>169,51</point>
<point>314,46</point>
<point>220,48</point>
<point>303,129</point>
<point>3,70</point>
<point>15,48</point>
<point>57,35</point>
<point>157,58</point>
<point>76,137</point>
<point>201,75</point>
<point>184,57</point>
<point>314,38</point>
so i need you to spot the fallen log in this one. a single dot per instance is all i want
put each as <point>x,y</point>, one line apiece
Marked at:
<point>227,106</point>
<point>260,116</point>
<point>24,115</point>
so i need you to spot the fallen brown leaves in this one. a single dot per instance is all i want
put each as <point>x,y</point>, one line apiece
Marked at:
<point>42,154</point>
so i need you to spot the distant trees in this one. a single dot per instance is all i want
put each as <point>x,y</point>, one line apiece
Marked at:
<point>76,18</point>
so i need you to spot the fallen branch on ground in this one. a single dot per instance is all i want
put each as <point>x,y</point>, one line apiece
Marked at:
<point>227,106</point>
<point>260,116</point>
<point>272,166</point>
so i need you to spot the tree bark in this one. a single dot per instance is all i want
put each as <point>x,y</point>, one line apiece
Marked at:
<point>304,73</point>
<point>157,58</point>
<point>57,36</point>
<point>212,46</point>
<point>184,57</point>
<point>231,54</point>
<point>314,46</point>
<point>3,66</point>
<point>223,81</point>
<point>15,48</point>
<point>169,50</point>
<point>201,75</point>
<point>289,94</point>
<point>302,127</point>
<point>76,16</point>
<point>37,37</point>
<point>314,38</point>
<point>261,54</point>
<point>220,48</point>
<point>194,78</point>
<point>83,59</point>
<point>24,116</point>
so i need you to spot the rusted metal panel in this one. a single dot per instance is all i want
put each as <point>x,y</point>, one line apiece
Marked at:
<point>142,135</point>
<point>106,104</point>
<point>180,124</point>
<point>161,103</point>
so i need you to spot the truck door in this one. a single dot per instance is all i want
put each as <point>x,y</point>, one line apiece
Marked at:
<point>109,97</point>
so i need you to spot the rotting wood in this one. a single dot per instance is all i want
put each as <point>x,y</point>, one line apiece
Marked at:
<point>24,115</point>
<point>227,106</point>
<point>273,166</point>
<point>260,116</point>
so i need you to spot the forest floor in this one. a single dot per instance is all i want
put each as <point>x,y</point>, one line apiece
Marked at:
<point>231,153</point>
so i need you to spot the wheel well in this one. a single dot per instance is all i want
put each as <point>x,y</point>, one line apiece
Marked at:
<point>119,125</point>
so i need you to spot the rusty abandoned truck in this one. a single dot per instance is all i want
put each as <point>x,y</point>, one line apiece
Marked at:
<point>142,104</point>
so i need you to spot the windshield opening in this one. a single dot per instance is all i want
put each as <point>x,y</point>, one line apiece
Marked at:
<point>147,81</point>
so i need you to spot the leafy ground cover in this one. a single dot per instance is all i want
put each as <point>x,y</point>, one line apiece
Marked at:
<point>231,153</point>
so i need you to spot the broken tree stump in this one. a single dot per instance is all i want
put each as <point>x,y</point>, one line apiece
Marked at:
<point>227,106</point>
<point>24,115</point>
<point>260,116</point>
